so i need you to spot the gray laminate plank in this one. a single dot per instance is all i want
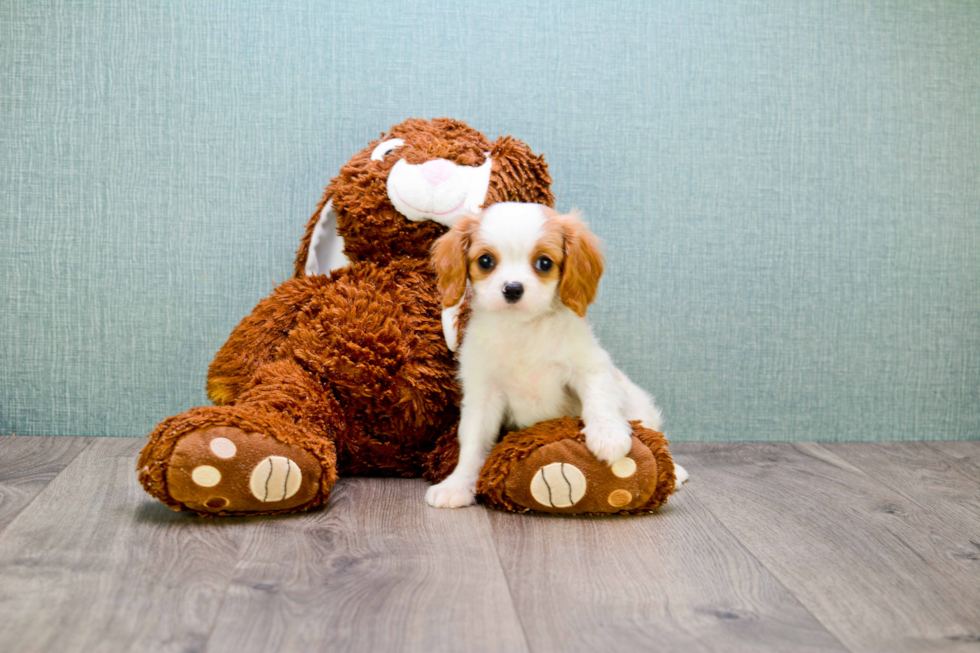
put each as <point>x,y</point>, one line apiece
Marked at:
<point>27,465</point>
<point>94,564</point>
<point>875,568</point>
<point>378,570</point>
<point>922,473</point>
<point>965,452</point>
<point>673,581</point>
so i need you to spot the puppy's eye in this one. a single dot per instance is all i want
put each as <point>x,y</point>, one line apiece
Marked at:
<point>386,148</point>
<point>485,262</point>
<point>543,264</point>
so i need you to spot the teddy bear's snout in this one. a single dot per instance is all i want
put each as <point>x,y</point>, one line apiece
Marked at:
<point>437,171</point>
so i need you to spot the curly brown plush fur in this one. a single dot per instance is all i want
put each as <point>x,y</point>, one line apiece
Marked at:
<point>346,373</point>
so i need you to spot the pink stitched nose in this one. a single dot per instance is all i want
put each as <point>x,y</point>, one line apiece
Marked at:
<point>437,171</point>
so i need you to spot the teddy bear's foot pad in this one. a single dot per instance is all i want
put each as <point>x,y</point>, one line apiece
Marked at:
<point>565,477</point>
<point>223,470</point>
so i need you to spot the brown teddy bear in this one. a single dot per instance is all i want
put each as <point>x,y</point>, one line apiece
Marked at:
<point>344,368</point>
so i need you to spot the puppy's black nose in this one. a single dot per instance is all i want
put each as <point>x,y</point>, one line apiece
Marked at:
<point>513,291</point>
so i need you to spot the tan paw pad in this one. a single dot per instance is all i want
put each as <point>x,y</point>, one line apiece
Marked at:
<point>619,498</point>
<point>216,503</point>
<point>223,448</point>
<point>275,478</point>
<point>558,485</point>
<point>206,476</point>
<point>624,467</point>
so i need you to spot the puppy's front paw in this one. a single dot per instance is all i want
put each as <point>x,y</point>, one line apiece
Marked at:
<point>681,475</point>
<point>451,493</point>
<point>609,441</point>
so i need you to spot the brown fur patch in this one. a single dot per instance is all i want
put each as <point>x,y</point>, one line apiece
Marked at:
<point>518,174</point>
<point>583,260</point>
<point>478,249</point>
<point>449,258</point>
<point>552,245</point>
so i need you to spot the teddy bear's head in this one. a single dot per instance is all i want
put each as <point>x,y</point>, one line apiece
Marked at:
<point>404,190</point>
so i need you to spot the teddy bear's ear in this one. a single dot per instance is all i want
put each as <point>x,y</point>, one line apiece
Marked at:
<point>321,249</point>
<point>518,175</point>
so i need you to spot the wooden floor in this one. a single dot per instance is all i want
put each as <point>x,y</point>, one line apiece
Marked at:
<point>770,547</point>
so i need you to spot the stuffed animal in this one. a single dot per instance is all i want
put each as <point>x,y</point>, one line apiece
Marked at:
<point>344,368</point>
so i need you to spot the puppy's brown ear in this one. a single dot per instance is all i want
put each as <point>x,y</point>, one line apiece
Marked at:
<point>450,260</point>
<point>582,267</point>
<point>518,175</point>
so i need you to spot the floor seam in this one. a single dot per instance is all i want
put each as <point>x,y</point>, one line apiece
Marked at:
<point>503,572</point>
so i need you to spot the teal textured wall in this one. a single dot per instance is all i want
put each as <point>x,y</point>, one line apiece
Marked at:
<point>789,192</point>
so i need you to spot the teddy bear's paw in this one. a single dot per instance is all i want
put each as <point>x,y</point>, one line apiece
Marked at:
<point>224,470</point>
<point>566,477</point>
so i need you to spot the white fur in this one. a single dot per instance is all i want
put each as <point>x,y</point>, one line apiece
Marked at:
<point>449,330</point>
<point>531,361</point>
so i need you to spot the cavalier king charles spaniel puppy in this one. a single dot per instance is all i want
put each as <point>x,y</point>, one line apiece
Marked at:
<point>528,354</point>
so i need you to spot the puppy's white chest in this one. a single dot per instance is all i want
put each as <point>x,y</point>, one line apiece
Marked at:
<point>533,378</point>
<point>539,396</point>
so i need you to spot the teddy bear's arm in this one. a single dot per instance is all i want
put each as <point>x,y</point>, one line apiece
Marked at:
<point>257,339</point>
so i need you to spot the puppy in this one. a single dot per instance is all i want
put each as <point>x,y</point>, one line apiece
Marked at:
<point>529,354</point>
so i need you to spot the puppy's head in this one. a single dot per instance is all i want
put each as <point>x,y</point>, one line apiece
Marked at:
<point>525,258</point>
